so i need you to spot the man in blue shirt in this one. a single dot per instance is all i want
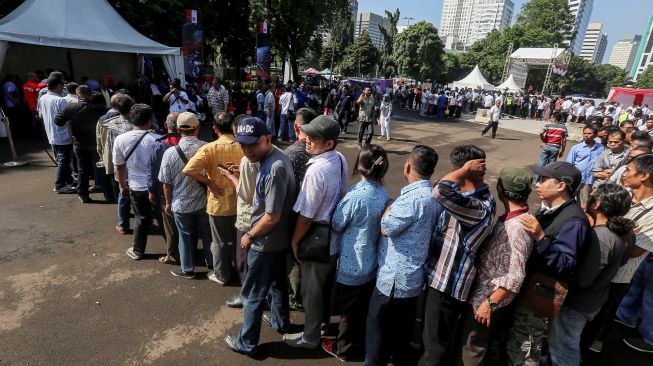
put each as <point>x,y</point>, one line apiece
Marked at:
<point>406,229</point>
<point>583,156</point>
<point>300,96</point>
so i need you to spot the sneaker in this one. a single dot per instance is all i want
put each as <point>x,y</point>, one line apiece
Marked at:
<point>597,346</point>
<point>85,199</point>
<point>182,274</point>
<point>213,277</point>
<point>294,305</point>
<point>267,319</point>
<point>297,340</point>
<point>631,326</point>
<point>329,347</point>
<point>638,344</point>
<point>65,190</point>
<point>133,255</point>
<point>123,231</point>
<point>235,302</point>
<point>232,343</point>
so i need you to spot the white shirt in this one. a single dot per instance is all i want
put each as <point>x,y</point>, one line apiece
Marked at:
<point>495,113</point>
<point>566,106</point>
<point>269,100</point>
<point>71,98</point>
<point>176,103</point>
<point>286,102</point>
<point>642,214</point>
<point>589,111</point>
<point>488,100</point>
<point>49,106</point>
<point>138,163</point>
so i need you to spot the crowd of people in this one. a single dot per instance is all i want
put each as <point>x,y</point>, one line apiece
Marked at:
<point>433,277</point>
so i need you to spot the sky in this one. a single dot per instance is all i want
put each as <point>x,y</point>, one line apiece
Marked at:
<point>620,18</point>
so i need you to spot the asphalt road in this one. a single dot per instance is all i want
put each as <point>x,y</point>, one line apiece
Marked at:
<point>70,296</point>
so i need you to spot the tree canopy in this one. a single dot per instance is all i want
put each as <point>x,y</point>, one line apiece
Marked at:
<point>418,51</point>
<point>386,62</point>
<point>645,80</point>
<point>360,57</point>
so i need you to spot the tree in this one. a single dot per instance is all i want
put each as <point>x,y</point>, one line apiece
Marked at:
<point>550,20</point>
<point>386,62</point>
<point>645,80</point>
<point>294,23</point>
<point>360,57</point>
<point>418,51</point>
<point>341,36</point>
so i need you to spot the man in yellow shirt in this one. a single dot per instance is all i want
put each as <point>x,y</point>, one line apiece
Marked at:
<point>221,201</point>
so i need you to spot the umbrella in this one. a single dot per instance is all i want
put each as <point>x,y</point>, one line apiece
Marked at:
<point>326,71</point>
<point>311,70</point>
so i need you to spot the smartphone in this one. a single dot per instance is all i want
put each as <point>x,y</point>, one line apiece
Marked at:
<point>222,166</point>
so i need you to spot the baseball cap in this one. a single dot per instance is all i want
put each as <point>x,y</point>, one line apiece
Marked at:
<point>187,121</point>
<point>517,180</point>
<point>562,171</point>
<point>322,126</point>
<point>250,129</point>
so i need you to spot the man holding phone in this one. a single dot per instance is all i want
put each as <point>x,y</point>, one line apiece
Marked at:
<point>177,98</point>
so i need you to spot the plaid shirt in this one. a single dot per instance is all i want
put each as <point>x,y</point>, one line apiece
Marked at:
<point>218,100</point>
<point>463,227</point>
<point>105,134</point>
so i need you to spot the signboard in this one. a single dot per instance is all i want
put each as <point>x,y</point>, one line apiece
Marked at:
<point>191,45</point>
<point>519,73</point>
<point>263,52</point>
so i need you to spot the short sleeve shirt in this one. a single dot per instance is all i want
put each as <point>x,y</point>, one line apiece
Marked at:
<point>642,214</point>
<point>138,163</point>
<point>275,193</point>
<point>187,194</point>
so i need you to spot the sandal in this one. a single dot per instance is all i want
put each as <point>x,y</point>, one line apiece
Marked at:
<point>166,259</point>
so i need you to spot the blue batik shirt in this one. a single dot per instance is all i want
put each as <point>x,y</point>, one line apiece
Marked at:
<point>408,226</point>
<point>358,218</point>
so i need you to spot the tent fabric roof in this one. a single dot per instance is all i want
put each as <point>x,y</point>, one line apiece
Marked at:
<point>89,24</point>
<point>509,84</point>
<point>474,80</point>
<point>536,53</point>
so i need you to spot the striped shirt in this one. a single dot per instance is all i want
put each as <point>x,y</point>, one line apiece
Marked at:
<point>462,228</point>
<point>554,133</point>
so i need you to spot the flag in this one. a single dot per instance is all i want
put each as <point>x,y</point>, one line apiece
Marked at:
<point>191,16</point>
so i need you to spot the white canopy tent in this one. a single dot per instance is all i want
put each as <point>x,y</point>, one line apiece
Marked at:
<point>474,80</point>
<point>509,85</point>
<point>83,26</point>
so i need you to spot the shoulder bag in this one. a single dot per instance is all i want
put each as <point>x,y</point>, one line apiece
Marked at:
<point>184,159</point>
<point>315,246</point>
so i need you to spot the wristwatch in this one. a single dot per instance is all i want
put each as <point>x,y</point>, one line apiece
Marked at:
<point>493,305</point>
<point>249,235</point>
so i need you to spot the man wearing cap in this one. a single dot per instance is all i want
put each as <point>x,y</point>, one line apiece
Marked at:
<point>221,204</point>
<point>501,267</point>
<point>324,185</point>
<point>561,232</point>
<point>185,198</point>
<point>268,237</point>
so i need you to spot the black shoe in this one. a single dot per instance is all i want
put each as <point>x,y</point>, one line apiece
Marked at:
<point>267,319</point>
<point>294,305</point>
<point>85,199</point>
<point>235,302</point>
<point>182,274</point>
<point>638,344</point>
<point>232,344</point>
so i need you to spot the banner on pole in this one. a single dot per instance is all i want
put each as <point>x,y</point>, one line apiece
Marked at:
<point>191,44</point>
<point>263,52</point>
<point>559,69</point>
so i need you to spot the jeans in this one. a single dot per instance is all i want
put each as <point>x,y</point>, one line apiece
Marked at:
<point>85,157</point>
<point>549,154</point>
<point>269,121</point>
<point>193,226</point>
<point>144,217</point>
<point>390,322</point>
<point>564,336</point>
<point>223,246</point>
<point>265,274</point>
<point>361,132</point>
<point>441,315</point>
<point>63,155</point>
<point>639,300</point>
<point>286,131</point>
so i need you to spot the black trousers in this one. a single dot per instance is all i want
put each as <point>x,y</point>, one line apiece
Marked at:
<point>361,132</point>
<point>344,115</point>
<point>390,322</point>
<point>144,217</point>
<point>85,159</point>
<point>492,125</point>
<point>354,302</point>
<point>441,316</point>
<point>599,328</point>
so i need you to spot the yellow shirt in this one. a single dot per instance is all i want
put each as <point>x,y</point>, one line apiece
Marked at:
<point>206,159</point>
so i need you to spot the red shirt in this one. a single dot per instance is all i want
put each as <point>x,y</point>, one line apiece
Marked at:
<point>172,140</point>
<point>31,92</point>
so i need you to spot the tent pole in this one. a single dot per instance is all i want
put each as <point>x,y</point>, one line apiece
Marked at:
<point>14,157</point>
<point>71,71</point>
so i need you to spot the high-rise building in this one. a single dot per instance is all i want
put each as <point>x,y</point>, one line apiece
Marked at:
<point>624,51</point>
<point>594,44</point>
<point>582,11</point>
<point>644,57</point>
<point>464,22</point>
<point>354,12</point>
<point>370,22</point>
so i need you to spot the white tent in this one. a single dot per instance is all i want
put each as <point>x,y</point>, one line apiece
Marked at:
<point>88,25</point>
<point>474,80</point>
<point>509,85</point>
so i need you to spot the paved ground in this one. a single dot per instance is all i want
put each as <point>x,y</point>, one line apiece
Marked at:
<point>70,296</point>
